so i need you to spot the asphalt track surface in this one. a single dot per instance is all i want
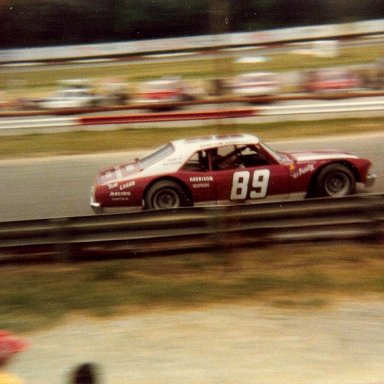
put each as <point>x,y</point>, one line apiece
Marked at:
<point>60,186</point>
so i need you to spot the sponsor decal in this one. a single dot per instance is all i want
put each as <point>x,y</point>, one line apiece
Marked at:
<point>119,194</point>
<point>112,186</point>
<point>122,186</point>
<point>199,179</point>
<point>302,171</point>
<point>127,185</point>
<point>201,185</point>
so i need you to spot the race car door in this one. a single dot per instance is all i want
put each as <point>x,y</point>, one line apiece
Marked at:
<point>245,175</point>
<point>199,179</point>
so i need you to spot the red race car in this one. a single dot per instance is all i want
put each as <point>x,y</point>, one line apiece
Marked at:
<point>230,169</point>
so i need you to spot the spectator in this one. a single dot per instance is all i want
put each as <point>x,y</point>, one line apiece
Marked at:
<point>9,346</point>
<point>84,374</point>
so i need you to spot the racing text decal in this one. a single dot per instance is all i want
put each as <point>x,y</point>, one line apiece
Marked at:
<point>302,171</point>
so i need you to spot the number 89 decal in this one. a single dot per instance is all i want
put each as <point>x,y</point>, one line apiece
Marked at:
<point>258,188</point>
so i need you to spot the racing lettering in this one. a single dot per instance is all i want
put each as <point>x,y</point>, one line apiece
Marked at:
<point>119,193</point>
<point>127,185</point>
<point>259,187</point>
<point>195,179</point>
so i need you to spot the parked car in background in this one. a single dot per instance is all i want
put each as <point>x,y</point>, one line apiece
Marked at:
<point>226,169</point>
<point>114,91</point>
<point>74,94</point>
<point>3,103</point>
<point>164,92</point>
<point>374,75</point>
<point>255,84</point>
<point>330,80</point>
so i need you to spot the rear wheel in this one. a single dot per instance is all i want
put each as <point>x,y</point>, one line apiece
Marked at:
<point>335,180</point>
<point>166,195</point>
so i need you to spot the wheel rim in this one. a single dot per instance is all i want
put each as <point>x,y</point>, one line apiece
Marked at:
<point>337,184</point>
<point>166,198</point>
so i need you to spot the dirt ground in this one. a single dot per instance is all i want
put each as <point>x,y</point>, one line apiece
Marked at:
<point>234,343</point>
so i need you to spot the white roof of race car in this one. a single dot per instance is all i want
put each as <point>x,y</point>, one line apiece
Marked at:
<point>198,143</point>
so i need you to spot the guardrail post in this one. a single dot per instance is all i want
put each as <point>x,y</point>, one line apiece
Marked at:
<point>378,230</point>
<point>223,244</point>
<point>376,223</point>
<point>63,240</point>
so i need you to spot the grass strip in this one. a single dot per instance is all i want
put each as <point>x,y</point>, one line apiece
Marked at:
<point>303,276</point>
<point>125,139</point>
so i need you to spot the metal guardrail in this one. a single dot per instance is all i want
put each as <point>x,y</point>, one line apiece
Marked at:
<point>152,233</point>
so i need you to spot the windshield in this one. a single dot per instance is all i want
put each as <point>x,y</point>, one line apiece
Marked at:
<point>280,157</point>
<point>156,156</point>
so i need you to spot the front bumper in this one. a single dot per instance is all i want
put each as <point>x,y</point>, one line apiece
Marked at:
<point>97,208</point>
<point>370,179</point>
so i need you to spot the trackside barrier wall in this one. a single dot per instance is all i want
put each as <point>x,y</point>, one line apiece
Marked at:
<point>192,43</point>
<point>151,233</point>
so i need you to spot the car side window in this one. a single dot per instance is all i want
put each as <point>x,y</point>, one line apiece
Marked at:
<point>223,158</point>
<point>234,157</point>
<point>250,156</point>
<point>198,162</point>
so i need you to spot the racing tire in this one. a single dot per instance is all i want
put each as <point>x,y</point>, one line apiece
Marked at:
<point>335,180</point>
<point>166,195</point>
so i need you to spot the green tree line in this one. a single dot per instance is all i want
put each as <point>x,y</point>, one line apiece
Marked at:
<point>26,23</point>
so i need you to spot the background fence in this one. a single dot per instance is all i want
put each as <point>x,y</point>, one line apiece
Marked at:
<point>193,43</point>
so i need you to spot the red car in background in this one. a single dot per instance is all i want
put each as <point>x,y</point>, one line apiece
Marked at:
<point>231,169</point>
<point>331,80</point>
<point>163,92</point>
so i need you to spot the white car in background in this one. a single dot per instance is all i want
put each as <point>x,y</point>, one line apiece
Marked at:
<point>255,84</point>
<point>76,94</point>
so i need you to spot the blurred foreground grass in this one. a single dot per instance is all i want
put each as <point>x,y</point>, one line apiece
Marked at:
<point>303,276</point>
<point>136,139</point>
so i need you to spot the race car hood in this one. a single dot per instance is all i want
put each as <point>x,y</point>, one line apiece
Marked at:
<point>305,156</point>
<point>118,172</point>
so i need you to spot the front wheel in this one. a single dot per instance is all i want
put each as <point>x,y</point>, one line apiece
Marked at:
<point>335,180</point>
<point>166,195</point>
